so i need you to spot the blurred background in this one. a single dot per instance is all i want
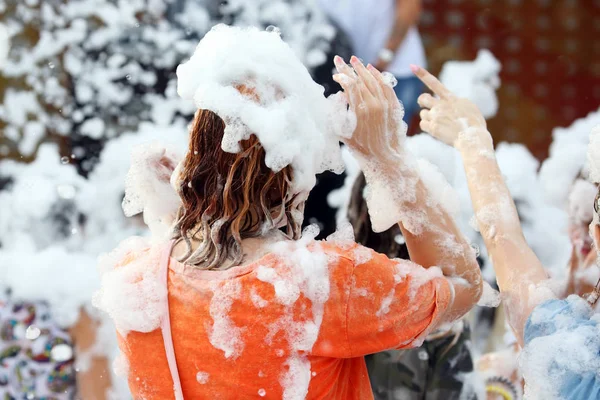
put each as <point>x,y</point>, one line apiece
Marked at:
<point>551,63</point>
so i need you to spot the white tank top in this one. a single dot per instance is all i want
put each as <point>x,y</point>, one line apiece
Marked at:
<point>369,23</point>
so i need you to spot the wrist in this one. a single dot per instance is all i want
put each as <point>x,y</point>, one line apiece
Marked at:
<point>475,138</point>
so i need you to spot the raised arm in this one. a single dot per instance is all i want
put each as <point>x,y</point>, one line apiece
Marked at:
<point>459,123</point>
<point>395,190</point>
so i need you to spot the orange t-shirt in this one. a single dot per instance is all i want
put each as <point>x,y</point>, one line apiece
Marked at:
<point>254,332</point>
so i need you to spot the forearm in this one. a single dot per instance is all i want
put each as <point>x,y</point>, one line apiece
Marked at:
<point>399,31</point>
<point>495,211</point>
<point>518,270</point>
<point>407,14</point>
<point>432,237</point>
<point>442,244</point>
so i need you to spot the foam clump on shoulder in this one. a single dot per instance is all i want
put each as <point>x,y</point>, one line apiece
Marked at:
<point>132,292</point>
<point>255,82</point>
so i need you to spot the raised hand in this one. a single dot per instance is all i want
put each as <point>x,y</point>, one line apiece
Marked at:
<point>446,116</point>
<point>379,124</point>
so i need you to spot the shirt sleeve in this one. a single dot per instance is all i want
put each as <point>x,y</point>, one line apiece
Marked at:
<point>392,304</point>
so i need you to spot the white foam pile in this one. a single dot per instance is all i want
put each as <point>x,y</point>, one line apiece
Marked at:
<point>567,159</point>
<point>566,351</point>
<point>282,105</point>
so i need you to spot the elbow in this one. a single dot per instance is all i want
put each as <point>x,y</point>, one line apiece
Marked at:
<point>474,280</point>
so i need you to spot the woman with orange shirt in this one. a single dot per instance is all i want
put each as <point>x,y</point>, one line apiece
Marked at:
<point>253,310</point>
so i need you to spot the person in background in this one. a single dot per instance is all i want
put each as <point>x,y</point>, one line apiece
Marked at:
<point>384,33</point>
<point>560,337</point>
<point>437,369</point>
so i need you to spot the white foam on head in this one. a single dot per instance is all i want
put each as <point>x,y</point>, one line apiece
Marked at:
<point>283,106</point>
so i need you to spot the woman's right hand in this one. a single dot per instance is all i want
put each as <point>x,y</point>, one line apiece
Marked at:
<point>379,124</point>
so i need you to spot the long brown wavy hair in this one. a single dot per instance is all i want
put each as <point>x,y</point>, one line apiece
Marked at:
<point>228,197</point>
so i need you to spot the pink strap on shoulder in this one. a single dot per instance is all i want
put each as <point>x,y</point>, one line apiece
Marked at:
<point>165,325</point>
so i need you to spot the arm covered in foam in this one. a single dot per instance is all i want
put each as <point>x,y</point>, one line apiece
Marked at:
<point>519,272</point>
<point>397,192</point>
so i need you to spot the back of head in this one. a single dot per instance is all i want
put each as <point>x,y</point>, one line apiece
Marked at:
<point>261,117</point>
<point>228,197</point>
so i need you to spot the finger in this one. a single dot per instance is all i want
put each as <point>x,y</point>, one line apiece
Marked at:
<point>343,68</point>
<point>345,82</point>
<point>365,75</point>
<point>424,114</point>
<point>427,101</point>
<point>387,89</point>
<point>426,126</point>
<point>352,89</point>
<point>431,82</point>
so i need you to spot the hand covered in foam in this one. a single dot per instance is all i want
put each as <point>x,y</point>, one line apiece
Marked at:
<point>379,125</point>
<point>447,117</point>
